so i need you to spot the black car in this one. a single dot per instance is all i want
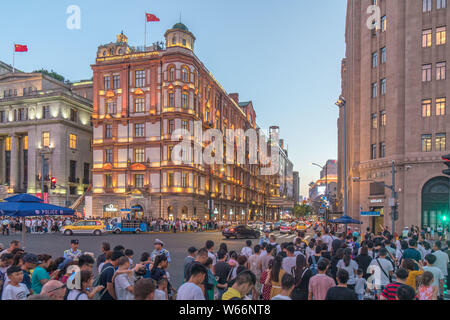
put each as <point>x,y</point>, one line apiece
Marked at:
<point>240,232</point>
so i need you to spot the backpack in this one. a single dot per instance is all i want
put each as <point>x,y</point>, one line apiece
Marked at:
<point>313,267</point>
<point>96,283</point>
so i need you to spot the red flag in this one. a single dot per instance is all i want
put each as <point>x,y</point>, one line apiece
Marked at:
<point>151,17</point>
<point>20,48</point>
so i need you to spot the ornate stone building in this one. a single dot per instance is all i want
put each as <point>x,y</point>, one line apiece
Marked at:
<point>141,96</point>
<point>45,130</point>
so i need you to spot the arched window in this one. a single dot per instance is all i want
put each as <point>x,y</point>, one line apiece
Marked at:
<point>185,74</point>
<point>171,74</point>
<point>185,100</point>
<point>174,40</point>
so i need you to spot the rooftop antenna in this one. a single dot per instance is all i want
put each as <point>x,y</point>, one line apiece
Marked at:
<point>180,16</point>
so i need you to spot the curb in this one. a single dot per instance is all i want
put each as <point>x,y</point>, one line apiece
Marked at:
<point>168,232</point>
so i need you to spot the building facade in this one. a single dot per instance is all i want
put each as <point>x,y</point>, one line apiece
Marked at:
<point>45,132</point>
<point>395,85</point>
<point>328,183</point>
<point>141,96</point>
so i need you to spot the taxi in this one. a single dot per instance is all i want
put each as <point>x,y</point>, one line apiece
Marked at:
<point>95,227</point>
<point>301,227</point>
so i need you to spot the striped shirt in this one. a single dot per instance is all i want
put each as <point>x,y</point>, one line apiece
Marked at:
<point>390,291</point>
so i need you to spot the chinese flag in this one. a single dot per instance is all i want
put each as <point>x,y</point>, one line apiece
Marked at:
<point>20,48</point>
<point>151,17</point>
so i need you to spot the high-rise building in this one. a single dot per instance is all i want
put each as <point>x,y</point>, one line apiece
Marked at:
<point>141,96</point>
<point>395,86</point>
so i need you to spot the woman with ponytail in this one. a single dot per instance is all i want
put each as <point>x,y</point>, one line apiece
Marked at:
<point>349,265</point>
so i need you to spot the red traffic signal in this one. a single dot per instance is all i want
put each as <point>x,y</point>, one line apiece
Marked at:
<point>446,158</point>
<point>447,163</point>
<point>53,180</point>
<point>53,183</point>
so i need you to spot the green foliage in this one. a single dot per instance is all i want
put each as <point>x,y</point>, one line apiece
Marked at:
<point>302,210</point>
<point>52,74</point>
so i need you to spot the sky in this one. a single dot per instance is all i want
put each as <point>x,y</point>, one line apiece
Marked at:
<point>283,55</point>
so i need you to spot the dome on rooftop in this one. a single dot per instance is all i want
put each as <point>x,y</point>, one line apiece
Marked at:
<point>180,26</point>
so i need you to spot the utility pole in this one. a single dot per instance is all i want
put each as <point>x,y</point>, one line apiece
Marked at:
<point>394,208</point>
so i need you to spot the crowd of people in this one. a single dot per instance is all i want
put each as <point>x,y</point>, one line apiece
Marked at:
<point>41,225</point>
<point>327,266</point>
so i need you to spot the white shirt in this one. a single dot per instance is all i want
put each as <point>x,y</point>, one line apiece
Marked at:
<point>381,279</point>
<point>246,251</point>
<point>160,295</point>
<point>213,257</point>
<point>190,291</point>
<point>351,269</point>
<point>74,293</point>
<point>280,297</point>
<point>15,293</point>
<point>441,261</point>
<point>121,283</point>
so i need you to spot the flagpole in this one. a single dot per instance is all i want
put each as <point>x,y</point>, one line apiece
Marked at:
<point>145,41</point>
<point>14,56</point>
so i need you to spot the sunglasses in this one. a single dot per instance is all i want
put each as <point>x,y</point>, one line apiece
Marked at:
<point>59,288</point>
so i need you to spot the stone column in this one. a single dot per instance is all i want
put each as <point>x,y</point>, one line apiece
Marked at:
<point>2,160</point>
<point>14,180</point>
<point>33,157</point>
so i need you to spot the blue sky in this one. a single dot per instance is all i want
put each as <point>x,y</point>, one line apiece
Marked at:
<point>284,55</point>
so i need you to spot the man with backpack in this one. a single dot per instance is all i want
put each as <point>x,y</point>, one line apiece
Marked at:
<point>105,278</point>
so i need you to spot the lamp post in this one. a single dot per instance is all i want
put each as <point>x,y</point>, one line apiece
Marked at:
<point>342,103</point>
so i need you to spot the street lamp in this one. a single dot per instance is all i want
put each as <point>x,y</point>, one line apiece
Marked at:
<point>342,103</point>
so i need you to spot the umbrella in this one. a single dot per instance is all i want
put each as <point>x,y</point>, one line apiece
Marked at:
<point>346,220</point>
<point>25,205</point>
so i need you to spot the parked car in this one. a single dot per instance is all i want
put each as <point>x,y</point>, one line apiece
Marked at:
<point>268,227</point>
<point>95,227</point>
<point>240,231</point>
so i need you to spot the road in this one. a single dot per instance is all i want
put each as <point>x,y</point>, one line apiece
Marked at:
<point>177,244</point>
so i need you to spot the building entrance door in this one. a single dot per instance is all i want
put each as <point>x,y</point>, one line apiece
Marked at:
<point>377,223</point>
<point>436,203</point>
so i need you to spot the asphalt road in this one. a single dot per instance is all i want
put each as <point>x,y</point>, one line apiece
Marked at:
<point>177,244</point>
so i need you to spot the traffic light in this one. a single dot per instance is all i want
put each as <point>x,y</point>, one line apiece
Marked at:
<point>53,183</point>
<point>447,163</point>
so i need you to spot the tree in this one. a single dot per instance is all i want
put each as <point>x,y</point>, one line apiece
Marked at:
<point>302,210</point>
<point>52,74</point>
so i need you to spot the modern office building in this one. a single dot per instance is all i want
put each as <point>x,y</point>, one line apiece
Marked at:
<point>395,85</point>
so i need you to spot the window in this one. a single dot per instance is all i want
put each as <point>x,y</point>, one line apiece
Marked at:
<point>374,90</point>
<point>73,115</point>
<point>426,142</point>
<point>441,4</point>
<point>107,81</point>
<point>171,74</point>
<point>382,150</point>
<point>184,101</point>
<point>139,155</point>
<point>426,38</point>
<point>2,116</point>
<point>383,86</point>
<point>139,180</point>
<point>108,156</point>
<point>426,73</point>
<point>441,36</point>
<point>373,152</point>
<point>383,23</point>
<point>171,126</point>
<point>108,131</point>
<point>108,181</point>
<point>73,141</point>
<point>169,151</point>
<point>116,82</point>
<point>184,74</point>
<point>86,171</point>
<point>171,99</point>
<point>111,107</point>
<point>374,121</point>
<point>440,142</point>
<point>374,59</point>
<point>72,171</point>
<point>184,125</point>
<point>46,139</point>
<point>426,108</point>
<point>139,130</point>
<point>383,119</point>
<point>383,55</point>
<point>8,144</point>
<point>170,179</point>
<point>426,5</point>
<point>139,105</point>
<point>21,114</point>
<point>45,112</point>
<point>140,78</point>
<point>441,106</point>
<point>184,180</point>
<point>441,70</point>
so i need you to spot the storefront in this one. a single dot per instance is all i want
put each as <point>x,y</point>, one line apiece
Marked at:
<point>377,221</point>
<point>110,211</point>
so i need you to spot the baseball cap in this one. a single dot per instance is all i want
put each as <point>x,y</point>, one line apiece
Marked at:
<point>31,258</point>
<point>157,241</point>
<point>192,249</point>
<point>75,241</point>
